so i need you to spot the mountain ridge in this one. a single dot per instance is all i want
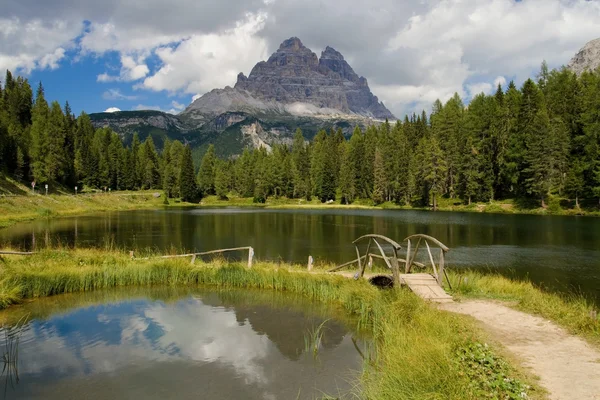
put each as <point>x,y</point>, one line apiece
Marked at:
<point>292,88</point>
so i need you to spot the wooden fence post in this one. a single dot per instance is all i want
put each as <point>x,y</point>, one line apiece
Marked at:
<point>310,263</point>
<point>193,259</point>
<point>131,254</point>
<point>250,256</point>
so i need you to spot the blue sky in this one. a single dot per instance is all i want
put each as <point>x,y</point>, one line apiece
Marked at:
<point>115,53</point>
<point>75,80</point>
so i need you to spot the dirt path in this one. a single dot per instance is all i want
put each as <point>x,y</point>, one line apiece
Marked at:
<point>568,367</point>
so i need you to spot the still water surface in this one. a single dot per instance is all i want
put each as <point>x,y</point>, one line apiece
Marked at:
<point>559,252</point>
<point>185,344</point>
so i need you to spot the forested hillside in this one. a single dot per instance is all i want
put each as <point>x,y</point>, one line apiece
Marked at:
<point>535,142</point>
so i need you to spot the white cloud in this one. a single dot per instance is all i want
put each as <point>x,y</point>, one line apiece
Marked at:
<point>35,44</point>
<point>196,97</point>
<point>473,89</point>
<point>112,110</point>
<point>500,80</point>
<point>411,52</point>
<point>176,108</point>
<point>132,69</point>
<point>204,62</point>
<point>115,94</point>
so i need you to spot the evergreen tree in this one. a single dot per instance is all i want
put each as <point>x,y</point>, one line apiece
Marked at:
<point>244,174</point>
<point>537,174</point>
<point>300,167</point>
<point>39,126</point>
<point>347,188</point>
<point>206,174</point>
<point>188,187</point>
<point>223,179</point>
<point>379,184</point>
<point>433,168</point>
<point>56,159</point>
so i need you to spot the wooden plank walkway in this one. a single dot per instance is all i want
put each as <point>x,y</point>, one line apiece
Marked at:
<point>426,287</point>
<point>423,285</point>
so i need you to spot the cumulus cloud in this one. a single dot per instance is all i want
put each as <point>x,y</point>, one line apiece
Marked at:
<point>132,69</point>
<point>410,52</point>
<point>175,108</point>
<point>115,94</point>
<point>35,44</point>
<point>205,62</point>
<point>112,109</point>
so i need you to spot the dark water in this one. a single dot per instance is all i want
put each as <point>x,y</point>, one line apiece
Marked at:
<point>162,344</point>
<point>560,252</point>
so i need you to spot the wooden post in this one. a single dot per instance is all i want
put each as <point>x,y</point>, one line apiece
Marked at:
<point>415,254</point>
<point>360,269</point>
<point>407,264</point>
<point>435,272</point>
<point>441,270</point>
<point>370,262</point>
<point>396,269</point>
<point>131,254</point>
<point>310,263</point>
<point>193,259</point>
<point>250,256</point>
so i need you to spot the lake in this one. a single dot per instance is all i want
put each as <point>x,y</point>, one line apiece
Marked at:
<point>558,252</point>
<point>159,343</point>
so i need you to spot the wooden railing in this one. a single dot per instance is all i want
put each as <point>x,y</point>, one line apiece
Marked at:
<point>439,271</point>
<point>205,253</point>
<point>393,260</point>
<point>17,253</point>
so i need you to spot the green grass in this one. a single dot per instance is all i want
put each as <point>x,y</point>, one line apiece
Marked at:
<point>28,207</point>
<point>508,206</point>
<point>421,352</point>
<point>573,312</point>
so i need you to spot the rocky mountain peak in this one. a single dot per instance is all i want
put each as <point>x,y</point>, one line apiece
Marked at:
<point>294,80</point>
<point>292,44</point>
<point>588,58</point>
<point>331,54</point>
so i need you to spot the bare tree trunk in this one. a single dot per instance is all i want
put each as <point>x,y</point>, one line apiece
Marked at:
<point>576,201</point>
<point>469,200</point>
<point>543,202</point>
<point>434,203</point>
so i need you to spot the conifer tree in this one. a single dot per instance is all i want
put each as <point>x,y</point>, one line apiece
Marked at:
<point>206,174</point>
<point>223,179</point>
<point>537,174</point>
<point>379,184</point>
<point>300,167</point>
<point>347,188</point>
<point>244,174</point>
<point>39,126</point>
<point>55,156</point>
<point>433,169</point>
<point>188,187</point>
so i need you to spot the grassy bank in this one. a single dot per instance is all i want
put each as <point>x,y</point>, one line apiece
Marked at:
<point>497,207</point>
<point>573,312</point>
<point>24,208</point>
<point>19,208</point>
<point>421,352</point>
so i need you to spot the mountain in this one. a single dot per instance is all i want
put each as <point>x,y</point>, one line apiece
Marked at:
<point>293,88</point>
<point>294,81</point>
<point>588,58</point>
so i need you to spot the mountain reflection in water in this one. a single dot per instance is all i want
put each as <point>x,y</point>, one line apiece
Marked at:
<point>186,344</point>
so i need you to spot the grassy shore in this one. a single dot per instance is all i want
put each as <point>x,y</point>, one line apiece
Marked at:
<point>421,352</point>
<point>497,207</point>
<point>24,208</point>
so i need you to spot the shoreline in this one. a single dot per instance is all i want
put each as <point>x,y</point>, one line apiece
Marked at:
<point>15,209</point>
<point>421,351</point>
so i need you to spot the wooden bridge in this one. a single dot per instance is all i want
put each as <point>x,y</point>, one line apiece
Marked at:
<point>426,285</point>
